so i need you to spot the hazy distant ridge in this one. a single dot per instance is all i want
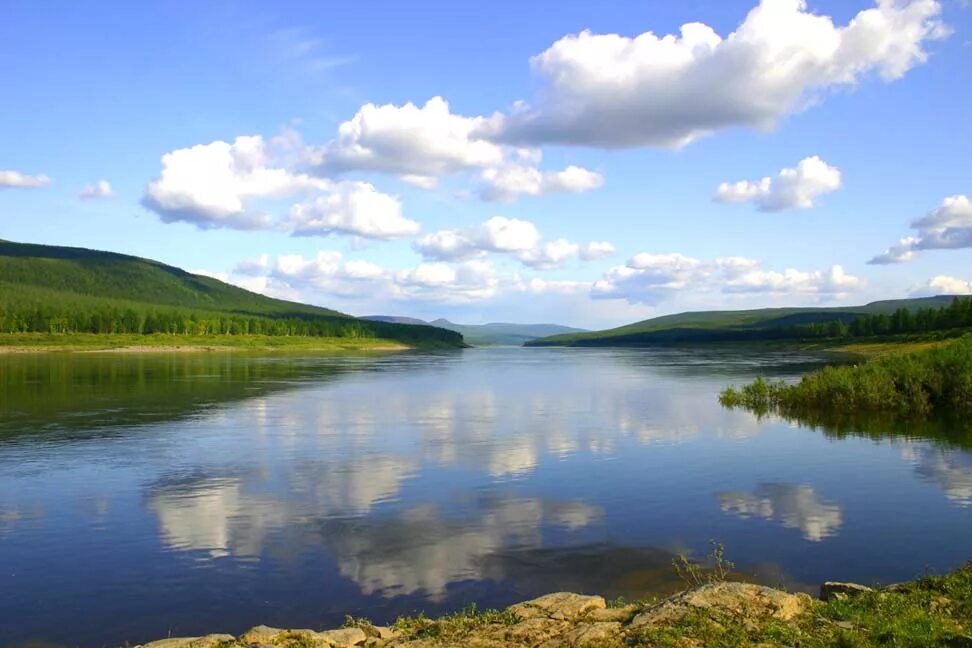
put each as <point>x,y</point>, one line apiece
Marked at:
<point>493,333</point>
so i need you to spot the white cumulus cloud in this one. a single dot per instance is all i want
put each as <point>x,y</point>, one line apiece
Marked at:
<point>253,267</point>
<point>507,183</point>
<point>653,278</point>
<point>943,285</point>
<point>517,238</point>
<point>329,274</point>
<point>413,141</point>
<point>498,234</point>
<point>209,185</point>
<point>100,189</point>
<point>609,90</point>
<point>793,188</point>
<point>469,281</point>
<point>16,179</point>
<point>355,208</point>
<point>420,181</point>
<point>420,144</point>
<point>597,250</point>
<point>221,184</point>
<point>947,227</point>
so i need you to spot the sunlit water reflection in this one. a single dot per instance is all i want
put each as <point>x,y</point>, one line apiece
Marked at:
<point>142,496</point>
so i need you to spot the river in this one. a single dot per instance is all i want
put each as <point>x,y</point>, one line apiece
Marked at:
<point>147,495</point>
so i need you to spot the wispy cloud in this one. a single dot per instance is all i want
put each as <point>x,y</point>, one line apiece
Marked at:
<point>301,48</point>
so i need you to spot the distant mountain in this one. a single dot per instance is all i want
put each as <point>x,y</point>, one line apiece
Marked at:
<point>495,333</point>
<point>712,325</point>
<point>45,288</point>
<point>391,319</point>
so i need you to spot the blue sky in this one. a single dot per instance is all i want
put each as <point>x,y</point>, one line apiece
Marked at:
<point>539,140</point>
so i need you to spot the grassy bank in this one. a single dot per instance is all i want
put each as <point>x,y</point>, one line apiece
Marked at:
<point>930,611</point>
<point>120,342</point>
<point>932,381</point>
<point>879,347</point>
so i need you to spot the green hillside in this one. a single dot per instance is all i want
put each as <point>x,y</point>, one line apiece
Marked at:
<point>741,325</point>
<point>491,334</point>
<point>50,289</point>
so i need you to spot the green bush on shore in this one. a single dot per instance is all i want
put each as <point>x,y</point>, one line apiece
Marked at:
<point>935,381</point>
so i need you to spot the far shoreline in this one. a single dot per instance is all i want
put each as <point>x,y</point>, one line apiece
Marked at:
<point>85,343</point>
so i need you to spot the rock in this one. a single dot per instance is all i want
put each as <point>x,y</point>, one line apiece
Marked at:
<point>190,642</point>
<point>260,634</point>
<point>831,589</point>
<point>413,643</point>
<point>621,614</point>
<point>476,641</point>
<point>266,636</point>
<point>739,599</point>
<point>343,638</point>
<point>382,632</point>
<point>597,633</point>
<point>561,605</point>
<point>536,630</point>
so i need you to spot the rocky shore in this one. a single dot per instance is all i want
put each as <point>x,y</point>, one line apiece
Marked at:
<point>932,611</point>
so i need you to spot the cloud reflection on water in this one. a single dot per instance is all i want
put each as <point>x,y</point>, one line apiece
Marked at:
<point>424,548</point>
<point>948,469</point>
<point>335,462</point>
<point>796,506</point>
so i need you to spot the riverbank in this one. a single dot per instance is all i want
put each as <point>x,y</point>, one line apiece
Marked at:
<point>130,343</point>
<point>863,347</point>
<point>878,346</point>
<point>930,611</point>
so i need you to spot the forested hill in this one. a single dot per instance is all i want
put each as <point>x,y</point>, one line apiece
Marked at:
<point>55,289</point>
<point>876,318</point>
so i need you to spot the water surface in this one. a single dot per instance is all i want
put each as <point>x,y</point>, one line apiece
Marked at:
<point>149,495</point>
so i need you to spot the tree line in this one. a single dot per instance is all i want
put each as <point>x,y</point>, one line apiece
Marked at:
<point>958,314</point>
<point>27,310</point>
